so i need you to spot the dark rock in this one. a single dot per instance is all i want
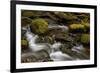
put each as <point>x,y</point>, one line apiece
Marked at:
<point>40,56</point>
<point>67,16</point>
<point>45,39</point>
<point>28,57</point>
<point>25,21</point>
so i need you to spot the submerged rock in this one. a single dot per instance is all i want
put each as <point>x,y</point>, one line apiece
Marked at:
<point>39,26</point>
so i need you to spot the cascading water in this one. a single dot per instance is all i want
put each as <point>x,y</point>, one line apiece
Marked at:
<point>52,49</point>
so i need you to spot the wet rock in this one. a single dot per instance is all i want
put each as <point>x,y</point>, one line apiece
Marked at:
<point>43,56</point>
<point>40,56</point>
<point>67,16</point>
<point>45,39</point>
<point>39,26</point>
<point>50,21</point>
<point>81,52</point>
<point>28,57</point>
<point>63,37</point>
<point>60,33</point>
<point>68,51</point>
<point>66,48</point>
<point>58,30</point>
<point>25,21</point>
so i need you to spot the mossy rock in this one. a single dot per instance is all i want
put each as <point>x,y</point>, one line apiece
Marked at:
<point>77,27</point>
<point>24,44</point>
<point>85,38</point>
<point>66,16</point>
<point>25,21</point>
<point>87,27</point>
<point>39,26</point>
<point>27,13</point>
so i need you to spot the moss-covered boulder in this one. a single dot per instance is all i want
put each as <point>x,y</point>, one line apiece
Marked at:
<point>76,27</point>
<point>24,44</point>
<point>25,21</point>
<point>85,38</point>
<point>39,26</point>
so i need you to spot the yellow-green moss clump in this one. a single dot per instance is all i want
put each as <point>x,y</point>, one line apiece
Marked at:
<point>39,26</point>
<point>24,44</point>
<point>77,27</point>
<point>85,38</point>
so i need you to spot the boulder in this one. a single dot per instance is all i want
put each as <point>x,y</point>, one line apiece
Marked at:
<point>39,26</point>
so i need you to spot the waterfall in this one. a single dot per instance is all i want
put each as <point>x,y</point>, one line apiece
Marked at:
<point>36,46</point>
<point>53,49</point>
<point>55,53</point>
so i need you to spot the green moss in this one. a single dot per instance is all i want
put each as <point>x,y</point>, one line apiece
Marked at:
<point>27,13</point>
<point>24,44</point>
<point>67,16</point>
<point>39,25</point>
<point>85,38</point>
<point>87,25</point>
<point>76,27</point>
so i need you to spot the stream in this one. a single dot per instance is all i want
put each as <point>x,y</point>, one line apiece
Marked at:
<point>39,52</point>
